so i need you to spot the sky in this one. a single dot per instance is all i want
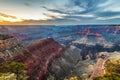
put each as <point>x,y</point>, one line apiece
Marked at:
<point>59,12</point>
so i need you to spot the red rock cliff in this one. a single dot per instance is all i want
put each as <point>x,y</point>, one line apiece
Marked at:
<point>38,56</point>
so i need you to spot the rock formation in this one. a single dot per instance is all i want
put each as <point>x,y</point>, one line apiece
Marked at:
<point>38,56</point>
<point>9,47</point>
<point>70,64</point>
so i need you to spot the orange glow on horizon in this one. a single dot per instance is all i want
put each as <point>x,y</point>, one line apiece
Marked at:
<point>1,20</point>
<point>10,20</point>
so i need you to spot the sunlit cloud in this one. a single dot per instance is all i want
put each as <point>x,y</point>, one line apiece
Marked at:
<point>6,15</point>
<point>10,18</point>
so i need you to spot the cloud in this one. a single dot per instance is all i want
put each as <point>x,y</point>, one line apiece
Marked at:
<point>78,7</point>
<point>105,4</point>
<point>6,15</point>
<point>108,14</point>
<point>88,10</point>
<point>108,18</point>
<point>58,11</point>
<point>53,10</point>
<point>9,18</point>
<point>87,5</point>
<point>27,4</point>
<point>50,16</point>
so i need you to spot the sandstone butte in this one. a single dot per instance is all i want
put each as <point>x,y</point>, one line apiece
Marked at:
<point>38,57</point>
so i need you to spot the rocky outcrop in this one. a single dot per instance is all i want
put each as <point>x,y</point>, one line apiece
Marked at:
<point>9,47</point>
<point>38,56</point>
<point>70,64</point>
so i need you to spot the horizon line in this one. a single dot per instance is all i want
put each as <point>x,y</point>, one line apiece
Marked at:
<point>54,24</point>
